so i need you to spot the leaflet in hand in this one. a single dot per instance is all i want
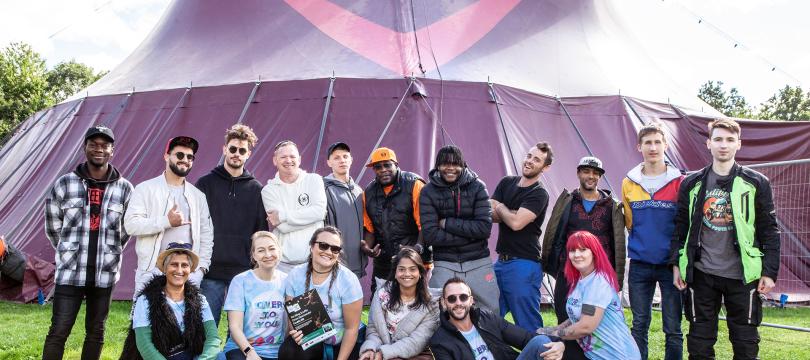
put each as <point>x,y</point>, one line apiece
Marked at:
<point>307,314</point>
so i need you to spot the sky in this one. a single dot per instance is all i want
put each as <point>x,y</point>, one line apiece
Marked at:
<point>768,34</point>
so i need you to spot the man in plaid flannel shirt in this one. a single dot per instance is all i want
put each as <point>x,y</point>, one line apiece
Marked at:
<point>84,214</point>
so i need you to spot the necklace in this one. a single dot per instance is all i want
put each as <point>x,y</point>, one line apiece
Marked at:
<point>319,272</point>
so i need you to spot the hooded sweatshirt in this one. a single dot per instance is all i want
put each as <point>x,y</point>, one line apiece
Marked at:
<point>344,210</point>
<point>237,212</point>
<point>301,209</point>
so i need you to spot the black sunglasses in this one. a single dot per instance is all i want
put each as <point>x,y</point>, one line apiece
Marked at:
<point>324,246</point>
<point>452,298</point>
<point>181,155</point>
<point>233,149</point>
<point>380,166</point>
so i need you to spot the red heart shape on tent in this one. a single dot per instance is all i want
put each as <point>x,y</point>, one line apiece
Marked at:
<point>397,51</point>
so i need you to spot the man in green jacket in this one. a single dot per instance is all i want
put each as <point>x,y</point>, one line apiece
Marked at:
<point>725,247</point>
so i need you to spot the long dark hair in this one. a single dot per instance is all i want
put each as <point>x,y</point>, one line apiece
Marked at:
<point>422,293</point>
<point>332,230</point>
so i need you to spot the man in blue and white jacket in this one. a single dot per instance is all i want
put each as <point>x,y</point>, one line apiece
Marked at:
<point>83,222</point>
<point>168,209</point>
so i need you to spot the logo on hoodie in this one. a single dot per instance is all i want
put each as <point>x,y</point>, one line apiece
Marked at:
<point>303,199</point>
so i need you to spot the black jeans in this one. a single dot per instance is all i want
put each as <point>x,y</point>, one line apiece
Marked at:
<point>743,311</point>
<point>67,300</point>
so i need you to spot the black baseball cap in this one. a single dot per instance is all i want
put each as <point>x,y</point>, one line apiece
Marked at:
<point>99,130</point>
<point>186,141</point>
<point>336,146</point>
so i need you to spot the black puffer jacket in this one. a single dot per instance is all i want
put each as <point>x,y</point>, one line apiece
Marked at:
<point>464,205</point>
<point>500,336</point>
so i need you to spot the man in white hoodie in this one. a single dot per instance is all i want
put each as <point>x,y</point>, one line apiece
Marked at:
<point>168,209</point>
<point>296,205</point>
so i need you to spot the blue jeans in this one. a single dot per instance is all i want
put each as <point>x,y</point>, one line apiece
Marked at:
<point>215,292</point>
<point>534,348</point>
<point>519,281</point>
<point>641,285</point>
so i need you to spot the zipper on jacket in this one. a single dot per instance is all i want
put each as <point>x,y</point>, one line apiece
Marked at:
<point>744,201</point>
<point>751,304</point>
<point>692,303</point>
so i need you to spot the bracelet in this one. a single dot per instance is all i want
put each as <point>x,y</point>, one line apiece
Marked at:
<point>247,350</point>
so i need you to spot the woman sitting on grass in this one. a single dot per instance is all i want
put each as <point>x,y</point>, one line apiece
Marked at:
<point>595,315</point>
<point>339,290</point>
<point>402,316</point>
<point>255,304</point>
<point>171,319</point>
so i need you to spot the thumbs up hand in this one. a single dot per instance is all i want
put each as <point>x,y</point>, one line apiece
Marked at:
<point>176,218</point>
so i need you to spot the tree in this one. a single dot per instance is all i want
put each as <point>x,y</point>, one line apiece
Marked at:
<point>731,104</point>
<point>23,85</point>
<point>789,104</point>
<point>67,78</point>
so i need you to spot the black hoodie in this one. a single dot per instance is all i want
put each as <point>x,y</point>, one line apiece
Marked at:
<point>95,192</point>
<point>237,211</point>
<point>464,205</point>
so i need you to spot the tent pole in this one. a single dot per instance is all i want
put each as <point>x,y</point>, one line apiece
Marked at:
<point>390,119</point>
<point>154,138</point>
<point>581,138</point>
<point>329,95</point>
<point>494,96</point>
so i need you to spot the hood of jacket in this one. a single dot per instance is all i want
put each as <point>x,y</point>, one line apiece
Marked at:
<point>224,174</point>
<point>636,176</point>
<point>83,172</point>
<point>331,180</point>
<point>466,177</point>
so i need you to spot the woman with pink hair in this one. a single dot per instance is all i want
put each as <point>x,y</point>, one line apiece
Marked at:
<point>596,320</point>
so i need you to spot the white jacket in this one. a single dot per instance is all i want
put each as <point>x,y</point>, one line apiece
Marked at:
<point>301,209</point>
<point>146,217</point>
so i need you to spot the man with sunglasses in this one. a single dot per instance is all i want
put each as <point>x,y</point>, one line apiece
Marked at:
<point>391,213</point>
<point>468,333</point>
<point>83,223</point>
<point>235,200</point>
<point>168,209</point>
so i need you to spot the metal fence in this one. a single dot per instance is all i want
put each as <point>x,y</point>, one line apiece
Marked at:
<point>790,182</point>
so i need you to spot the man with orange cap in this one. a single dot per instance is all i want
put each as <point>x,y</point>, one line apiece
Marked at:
<point>391,213</point>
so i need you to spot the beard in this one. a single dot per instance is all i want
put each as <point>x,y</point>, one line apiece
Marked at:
<point>463,316</point>
<point>177,171</point>
<point>233,165</point>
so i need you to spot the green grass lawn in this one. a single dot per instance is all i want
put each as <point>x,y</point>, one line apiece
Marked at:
<point>23,329</point>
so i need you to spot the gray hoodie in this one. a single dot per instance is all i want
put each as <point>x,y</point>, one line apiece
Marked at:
<point>344,210</point>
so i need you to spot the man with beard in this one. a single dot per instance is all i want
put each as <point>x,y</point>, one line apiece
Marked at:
<point>237,212</point>
<point>590,209</point>
<point>391,213</point>
<point>344,206</point>
<point>295,201</point>
<point>83,223</point>
<point>519,207</point>
<point>456,222</point>
<point>466,332</point>
<point>168,209</point>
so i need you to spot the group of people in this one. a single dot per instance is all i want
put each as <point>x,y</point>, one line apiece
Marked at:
<point>227,242</point>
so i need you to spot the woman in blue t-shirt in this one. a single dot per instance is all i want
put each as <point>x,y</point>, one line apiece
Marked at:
<point>340,292</point>
<point>596,320</point>
<point>255,304</point>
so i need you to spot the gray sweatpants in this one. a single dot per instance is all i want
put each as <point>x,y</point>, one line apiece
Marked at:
<point>478,274</point>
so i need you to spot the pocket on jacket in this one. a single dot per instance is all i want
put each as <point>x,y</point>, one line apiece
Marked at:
<point>68,255</point>
<point>115,212</point>
<point>72,213</point>
<point>112,254</point>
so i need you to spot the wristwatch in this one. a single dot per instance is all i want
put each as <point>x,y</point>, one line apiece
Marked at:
<point>247,350</point>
